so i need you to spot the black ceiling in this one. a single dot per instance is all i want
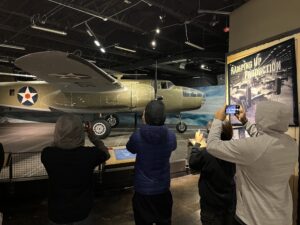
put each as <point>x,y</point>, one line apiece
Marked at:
<point>128,23</point>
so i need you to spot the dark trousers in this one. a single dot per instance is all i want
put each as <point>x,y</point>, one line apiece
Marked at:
<point>209,217</point>
<point>149,209</point>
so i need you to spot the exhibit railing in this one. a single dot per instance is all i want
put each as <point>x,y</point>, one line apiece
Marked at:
<point>25,166</point>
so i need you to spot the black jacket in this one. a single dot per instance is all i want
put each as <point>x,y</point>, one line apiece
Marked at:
<point>70,174</point>
<point>216,183</point>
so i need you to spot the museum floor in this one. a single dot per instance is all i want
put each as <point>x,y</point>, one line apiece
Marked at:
<point>111,207</point>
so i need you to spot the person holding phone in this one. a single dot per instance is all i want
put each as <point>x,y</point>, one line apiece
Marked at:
<point>70,167</point>
<point>264,163</point>
<point>216,183</point>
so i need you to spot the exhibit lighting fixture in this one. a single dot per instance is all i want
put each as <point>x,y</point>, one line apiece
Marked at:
<point>157,30</point>
<point>89,32</point>
<point>220,62</point>
<point>33,26</point>
<point>12,46</point>
<point>97,43</point>
<point>194,45</point>
<point>4,60</point>
<point>125,49</point>
<point>213,12</point>
<point>147,2</point>
<point>102,50</point>
<point>187,42</point>
<point>153,43</point>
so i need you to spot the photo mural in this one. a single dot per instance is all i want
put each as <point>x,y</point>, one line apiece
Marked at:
<point>269,74</point>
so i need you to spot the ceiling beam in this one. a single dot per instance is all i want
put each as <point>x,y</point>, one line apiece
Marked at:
<point>181,17</point>
<point>108,18</point>
<point>198,54</point>
<point>66,42</point>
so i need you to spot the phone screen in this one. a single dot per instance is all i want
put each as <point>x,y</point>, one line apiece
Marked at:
<point>232,109</point>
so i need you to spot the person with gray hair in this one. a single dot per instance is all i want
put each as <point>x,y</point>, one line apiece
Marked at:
<point>264,163</point>
<point>70,167</point>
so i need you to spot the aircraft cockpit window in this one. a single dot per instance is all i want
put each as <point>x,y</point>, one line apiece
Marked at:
<point>11,92</point>
<point>191,93</point>
<point>164,85</point>
<point>170,84</point>
<point>187,93</point>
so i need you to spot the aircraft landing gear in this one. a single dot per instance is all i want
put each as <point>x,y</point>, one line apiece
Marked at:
<point>101,128</point>
<point>181,126</point>
<point>113,120</point>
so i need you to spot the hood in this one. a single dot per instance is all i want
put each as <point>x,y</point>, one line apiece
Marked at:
<point>154,134</point>
<point>272,117</point>
<point>69,132</point>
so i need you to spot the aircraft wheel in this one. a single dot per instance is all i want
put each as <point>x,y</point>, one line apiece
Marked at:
<point>181,127</point>
<point>101,128</point>
<point>113,120</point>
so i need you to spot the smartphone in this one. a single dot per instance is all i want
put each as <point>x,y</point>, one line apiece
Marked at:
<point>232,109</point>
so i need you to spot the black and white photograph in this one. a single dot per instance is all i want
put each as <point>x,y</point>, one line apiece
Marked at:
<point>266,75</point>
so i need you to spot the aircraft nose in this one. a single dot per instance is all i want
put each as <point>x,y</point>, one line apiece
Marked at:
<point>201,98</point>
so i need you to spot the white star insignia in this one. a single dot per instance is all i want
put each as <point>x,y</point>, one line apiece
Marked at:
<point>27,96</point>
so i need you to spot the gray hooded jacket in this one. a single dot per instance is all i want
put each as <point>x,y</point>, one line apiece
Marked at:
<point>264,165</point>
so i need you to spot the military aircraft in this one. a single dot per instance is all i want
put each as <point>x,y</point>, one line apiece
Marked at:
<point>72,84</point>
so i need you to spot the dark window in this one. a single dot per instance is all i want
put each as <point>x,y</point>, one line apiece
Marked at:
<point>164,85</point>
<point>11,92</point>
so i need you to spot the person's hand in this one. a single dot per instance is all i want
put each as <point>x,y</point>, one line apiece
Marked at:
<point>198,137</point>
<point>220,114</point>
<point>241,116</point>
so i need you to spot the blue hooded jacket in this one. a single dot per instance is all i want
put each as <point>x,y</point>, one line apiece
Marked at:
<point>153,146</point>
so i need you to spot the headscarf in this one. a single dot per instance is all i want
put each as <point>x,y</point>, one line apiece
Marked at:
<point>69,132</point>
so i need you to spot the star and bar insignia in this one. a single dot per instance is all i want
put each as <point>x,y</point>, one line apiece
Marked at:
<point>27,96</point>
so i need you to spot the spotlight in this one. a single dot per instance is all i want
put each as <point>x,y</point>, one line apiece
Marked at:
<point>102,50</point>
<point>153,43</point>
<point>97,43</point>
<point>157,30</point>
<point>89,32</point>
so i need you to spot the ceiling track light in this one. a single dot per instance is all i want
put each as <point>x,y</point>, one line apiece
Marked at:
<point>213,12</point>
<point>97,43</point>
<point>187,42</point>
<point>125,49</point>
<point>102,50</point>
<point>33,26</point>
<point>194,45</point>
<point>89,33</point>
<point>4,60</point>
<point>12,46</point>
<point>147,2</point>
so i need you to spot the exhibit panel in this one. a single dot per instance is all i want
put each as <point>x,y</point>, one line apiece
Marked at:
<point>250,78</point>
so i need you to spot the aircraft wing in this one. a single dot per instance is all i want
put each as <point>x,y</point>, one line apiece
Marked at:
<point>68,72</point>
